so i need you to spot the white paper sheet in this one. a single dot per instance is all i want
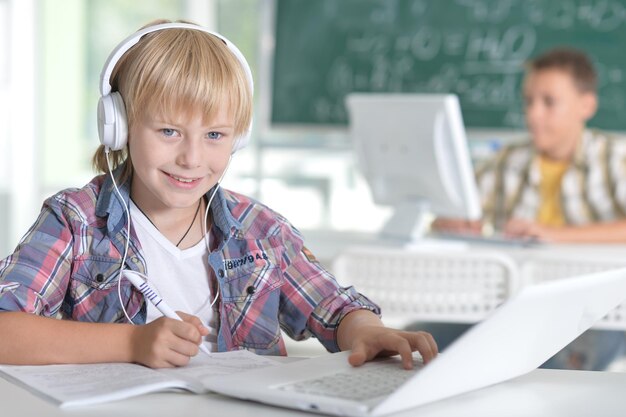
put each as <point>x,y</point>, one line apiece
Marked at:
<point>75,385</point>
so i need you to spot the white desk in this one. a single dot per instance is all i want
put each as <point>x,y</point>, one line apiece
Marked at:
<point>541,393</point>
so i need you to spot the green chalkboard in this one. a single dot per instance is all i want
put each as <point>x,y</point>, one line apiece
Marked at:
<point>475,48</point>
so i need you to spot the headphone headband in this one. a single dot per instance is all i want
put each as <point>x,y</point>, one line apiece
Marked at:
<point>133,39</point>
<point>112,120</point>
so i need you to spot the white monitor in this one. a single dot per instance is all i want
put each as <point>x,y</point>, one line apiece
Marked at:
<point>413,152</point>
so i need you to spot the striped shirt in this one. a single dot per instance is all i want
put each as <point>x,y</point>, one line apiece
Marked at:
<point>593,188</point>
<point>67,264</point>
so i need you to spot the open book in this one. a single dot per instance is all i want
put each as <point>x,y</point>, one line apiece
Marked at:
<point>78,385</point>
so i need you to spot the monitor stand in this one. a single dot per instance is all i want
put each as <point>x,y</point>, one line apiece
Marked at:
<point>409,222</point>
<point>409,226</point>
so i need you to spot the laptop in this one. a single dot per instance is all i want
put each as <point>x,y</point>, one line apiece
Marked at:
<point>515,339</point>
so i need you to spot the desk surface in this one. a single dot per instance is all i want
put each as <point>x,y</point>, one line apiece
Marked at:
<point>549,393</point>
<point>543,392</point>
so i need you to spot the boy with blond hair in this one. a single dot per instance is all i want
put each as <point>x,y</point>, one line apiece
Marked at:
<point>176,104</point>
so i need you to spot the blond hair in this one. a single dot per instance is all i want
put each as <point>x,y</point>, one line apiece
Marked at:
<point>176,71</point>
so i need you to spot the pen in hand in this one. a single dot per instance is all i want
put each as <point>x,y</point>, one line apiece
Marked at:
<point>145,288</point>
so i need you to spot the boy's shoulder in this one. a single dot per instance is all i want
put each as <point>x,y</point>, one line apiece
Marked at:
<point>511,156</point>
<point>595,142</point>
<point>596,135</point>
<point>78,202</point>
<point>256,218</point>
<point>519,146</point>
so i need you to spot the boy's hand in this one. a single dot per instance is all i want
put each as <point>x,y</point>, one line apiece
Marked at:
<point>441,224</point>
<point>362,332</point>
<point>603,232</point>
<point>166,343</point>
<point>377,341</point>
<point>520,228</point>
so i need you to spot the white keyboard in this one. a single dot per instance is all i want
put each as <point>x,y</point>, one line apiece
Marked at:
<point>498,239</point>
<point>356,384</point>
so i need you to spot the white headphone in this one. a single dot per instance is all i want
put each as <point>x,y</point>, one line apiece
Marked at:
<point>112,120</point>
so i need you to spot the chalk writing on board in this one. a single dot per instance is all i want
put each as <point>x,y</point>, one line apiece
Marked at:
<point>474,48</point>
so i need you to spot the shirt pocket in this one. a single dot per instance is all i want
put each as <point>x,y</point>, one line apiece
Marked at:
<point>93,295</point>
<point>251,301</point>
<point>96,272</point>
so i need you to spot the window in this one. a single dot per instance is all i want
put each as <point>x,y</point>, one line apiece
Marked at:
<point>75,41</point>
<point>4,121</point>
<point>49,68</point>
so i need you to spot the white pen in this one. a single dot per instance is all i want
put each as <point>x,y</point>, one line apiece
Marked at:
<point>142,285</point>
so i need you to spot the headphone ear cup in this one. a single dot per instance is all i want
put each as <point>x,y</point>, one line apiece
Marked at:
<point>112,123</point>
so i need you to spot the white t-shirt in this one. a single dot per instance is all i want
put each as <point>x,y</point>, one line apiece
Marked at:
<point>181,277</point>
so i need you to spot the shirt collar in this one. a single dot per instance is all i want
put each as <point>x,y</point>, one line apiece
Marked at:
<point>582,146</point>
<point>579,160</point>
<point>222,213</point>
<point>108,203</point>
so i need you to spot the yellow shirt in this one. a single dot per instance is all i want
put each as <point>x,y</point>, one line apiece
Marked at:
<point>550,211</point>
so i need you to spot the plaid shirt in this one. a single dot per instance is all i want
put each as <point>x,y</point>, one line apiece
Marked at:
<point>67,265</point>
<point>593,188</point>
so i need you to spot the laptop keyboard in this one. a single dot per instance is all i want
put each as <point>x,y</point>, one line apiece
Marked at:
<point>356,385</point>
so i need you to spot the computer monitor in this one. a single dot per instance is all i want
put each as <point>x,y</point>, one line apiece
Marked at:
<point>413,152</point>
